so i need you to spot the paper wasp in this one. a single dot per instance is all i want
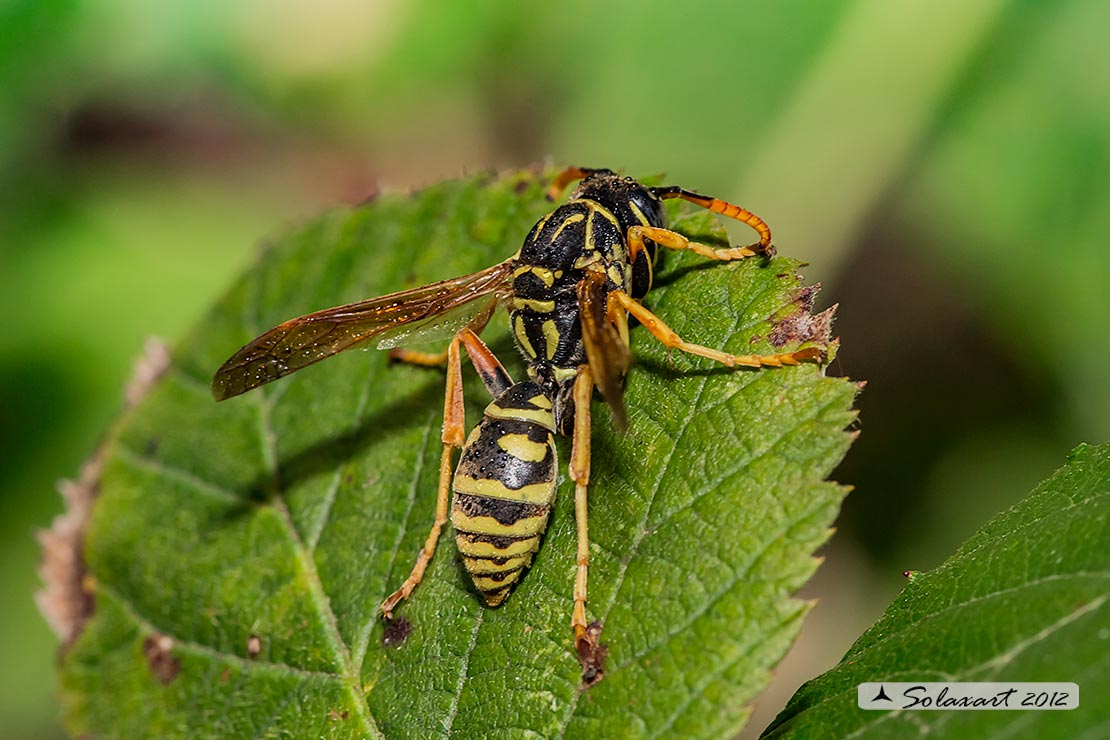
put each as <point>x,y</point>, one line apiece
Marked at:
<point>569,291</point>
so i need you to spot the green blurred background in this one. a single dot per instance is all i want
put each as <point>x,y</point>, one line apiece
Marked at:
<point>943,164</point>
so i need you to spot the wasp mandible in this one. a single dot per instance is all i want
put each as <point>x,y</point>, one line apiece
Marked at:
<point>569,291</point>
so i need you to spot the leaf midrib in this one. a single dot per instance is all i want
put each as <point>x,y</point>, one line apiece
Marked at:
<point>320,600</point>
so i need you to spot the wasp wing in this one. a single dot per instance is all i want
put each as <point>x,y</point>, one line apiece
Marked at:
<point>438,329</point>
<point>607,353</point>
<point>302,341</point>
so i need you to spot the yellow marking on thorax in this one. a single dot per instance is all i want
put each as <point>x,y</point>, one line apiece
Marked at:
<point>543,221</point>
<point>540,400</point>
<point>586,260</point>
<point>551,337</point>
<point>528,527</point>
<point>593,205</point>
<point>488,550</point>
<point>566,222</point>
<point>535,304</point>
<point>638,213</point>
<point>564,373</point>
<point>533,493</point>
<point>522,337</point>
<point>616,274</point>
<point>545,275</point>
<point>543,417</point>
<point>522,447</point>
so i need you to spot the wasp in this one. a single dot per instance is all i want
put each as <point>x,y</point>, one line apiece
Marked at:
<point>569,292</point>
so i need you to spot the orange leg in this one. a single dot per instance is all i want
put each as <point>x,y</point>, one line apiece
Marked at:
<point>668,337</point>
<point>484,361</point>
<point>496,380</point>
<point>591,654</point>
<point>414,357</point>
<point>489,368</point>
<point>674,240</point>
<point>453,436</point>
<point>725,209</point>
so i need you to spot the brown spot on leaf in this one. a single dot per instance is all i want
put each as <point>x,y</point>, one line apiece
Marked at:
<point>225,675</point>
<point>254,646</point>
<point>397,630</point>
<point>335,715</point>
<point>591,655</point>
<point>158,650</point>
<point>800,325</point>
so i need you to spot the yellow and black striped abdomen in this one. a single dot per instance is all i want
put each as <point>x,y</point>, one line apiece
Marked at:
<point>504,487</point>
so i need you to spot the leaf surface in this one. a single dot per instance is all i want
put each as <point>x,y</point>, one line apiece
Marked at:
<point>1027,598</point>
<point>239,550</point>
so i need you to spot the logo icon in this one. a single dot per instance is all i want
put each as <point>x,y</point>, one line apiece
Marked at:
<point>882,695</point>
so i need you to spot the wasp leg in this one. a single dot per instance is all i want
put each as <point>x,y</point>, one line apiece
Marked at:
<point>591,654</point>
<point>725,209</point>
<point>668,337</point>
<point>566,177</point>
<point>485,363</point>
<point>496,380</point>
<point>414,357</point>
<point>493,374</point>
<point>674,240</point>
<point>453,435</point>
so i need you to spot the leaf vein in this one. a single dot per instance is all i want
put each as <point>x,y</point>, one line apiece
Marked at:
<point>449,720</point>
<point>732,583</point>
<point>149,626</point>
<point>363,639</point>
<point>308,565</point>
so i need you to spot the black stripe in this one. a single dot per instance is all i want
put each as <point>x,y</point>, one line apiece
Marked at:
<point>519,397</point>
<point>497,541</point>
<point>484,459</point>
<point>493,595</point>
<point>506,512</point>
<point>500,577</point>
<point>496,559</point>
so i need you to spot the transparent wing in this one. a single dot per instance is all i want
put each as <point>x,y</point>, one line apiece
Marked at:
<point>302,341</point>
<point>608,355</point>
<point>438,329</point>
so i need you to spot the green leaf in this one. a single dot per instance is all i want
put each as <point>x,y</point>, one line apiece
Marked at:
<point>1027,598</point>
<point>240,550</point>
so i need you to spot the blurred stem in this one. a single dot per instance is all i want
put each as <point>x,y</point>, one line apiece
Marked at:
<point>902,56</point>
